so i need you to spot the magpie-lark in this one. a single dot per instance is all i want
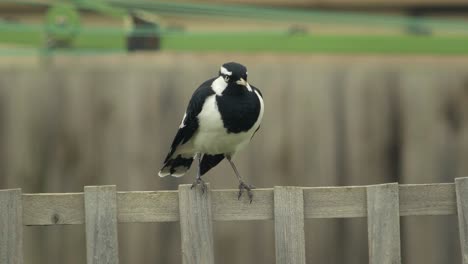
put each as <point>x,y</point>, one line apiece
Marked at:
<point>221,118</point>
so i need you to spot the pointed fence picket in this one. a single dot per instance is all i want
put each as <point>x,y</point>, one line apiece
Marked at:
<point>101,208</point>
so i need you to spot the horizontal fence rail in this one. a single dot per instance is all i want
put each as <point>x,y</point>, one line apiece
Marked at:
<point>163,206</point>
<point>100,208</point>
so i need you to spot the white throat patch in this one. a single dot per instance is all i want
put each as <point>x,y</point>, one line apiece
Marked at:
<point>225,71</point>
<point>219,85</point>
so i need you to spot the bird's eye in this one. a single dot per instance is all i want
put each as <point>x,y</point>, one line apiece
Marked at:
<point>226,78</point>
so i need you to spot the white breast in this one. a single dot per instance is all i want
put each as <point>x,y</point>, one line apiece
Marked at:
<point>213,138</point>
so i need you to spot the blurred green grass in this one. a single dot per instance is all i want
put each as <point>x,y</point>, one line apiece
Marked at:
<point>261,42</point>
<point>319,43</point>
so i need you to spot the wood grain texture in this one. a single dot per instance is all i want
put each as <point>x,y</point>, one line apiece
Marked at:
<point>101,224</point>
<point>11,227</point>
<point>329,202</point>
<point>227,207</point>
<point>53,208</point>
<point>437,156</point>
<point>289,225</point>
<point>196,225</point>
<point>461,185</point>
<point>383,223</point>
<point>162,206</point>
<point>94,119</point>
<point>427,199</point>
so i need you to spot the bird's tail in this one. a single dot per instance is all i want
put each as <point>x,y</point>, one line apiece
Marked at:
<point>176,166</point>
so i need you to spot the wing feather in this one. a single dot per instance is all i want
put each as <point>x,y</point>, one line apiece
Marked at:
<point>189,124</point>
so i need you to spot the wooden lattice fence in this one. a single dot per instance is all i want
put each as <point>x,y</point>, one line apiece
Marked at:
<point>101,208</point>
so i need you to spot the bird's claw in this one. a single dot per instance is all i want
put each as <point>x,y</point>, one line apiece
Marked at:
<point>201,182</point>
<point>242,187</point>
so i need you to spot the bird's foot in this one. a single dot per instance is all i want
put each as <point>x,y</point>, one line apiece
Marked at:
<point>201,182</point>
<point>242,187</point>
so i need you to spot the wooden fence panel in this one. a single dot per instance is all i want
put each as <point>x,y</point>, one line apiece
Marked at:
<point>288,207</point>
<point>289,225</point>
<point>101,224</point>
<point>461,187</point>
<point>11,227</point>
<point>196,225</point>
<point>77,116</point>
<point>162,206</point>
<point>431,129</point>
<point>383,224</point>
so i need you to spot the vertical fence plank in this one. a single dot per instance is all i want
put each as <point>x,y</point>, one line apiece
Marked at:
<point>461,187</point>
<point>289,225</point>
<point>196,225</point>
<point>11,227</point>
<point>383,223</point>
<point>101,224</point>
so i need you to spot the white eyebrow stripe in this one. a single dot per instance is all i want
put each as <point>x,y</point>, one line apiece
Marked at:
<point>225,71</point>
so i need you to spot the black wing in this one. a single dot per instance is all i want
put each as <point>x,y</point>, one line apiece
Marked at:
<point>190,122</point>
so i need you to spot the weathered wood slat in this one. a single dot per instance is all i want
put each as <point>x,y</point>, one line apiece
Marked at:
<point>326,202</point>
<point>226,206</point>
<point>162,206</point>
<point>289,225</point>
<point>101,224</point>
<point>427,199</point>
<point>196,225</point>
<point>11,227</point>
<point>383,224</point>
<point>461,185</point>
<point>53,208</point>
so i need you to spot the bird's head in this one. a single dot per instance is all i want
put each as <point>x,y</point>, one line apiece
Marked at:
<point>233,72</point>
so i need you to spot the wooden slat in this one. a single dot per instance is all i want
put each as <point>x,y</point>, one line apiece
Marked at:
<point>162,206</point>
<point>461,185</point>
<point>427,199</point>
<point>11,227</point>
<point>53,208</point>
<point>328,202</point>
<point>383,222</point>
<point>289,225</point>
<point>101,224</point>
<point>226,206</point>
<point>196,225</point>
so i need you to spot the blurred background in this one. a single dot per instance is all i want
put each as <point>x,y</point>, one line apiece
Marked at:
<point>356,92</point>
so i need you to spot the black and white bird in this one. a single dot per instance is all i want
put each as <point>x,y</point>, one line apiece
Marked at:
<point>221,118</point>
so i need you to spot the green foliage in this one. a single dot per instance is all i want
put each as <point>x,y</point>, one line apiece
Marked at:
<point>62,22</point>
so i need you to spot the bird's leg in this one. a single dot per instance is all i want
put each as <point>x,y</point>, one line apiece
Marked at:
<point>242,185</point>
<point>198,179</point>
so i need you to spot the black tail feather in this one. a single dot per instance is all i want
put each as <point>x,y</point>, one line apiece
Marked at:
<point>209,161</point>
<point>176,167</point>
